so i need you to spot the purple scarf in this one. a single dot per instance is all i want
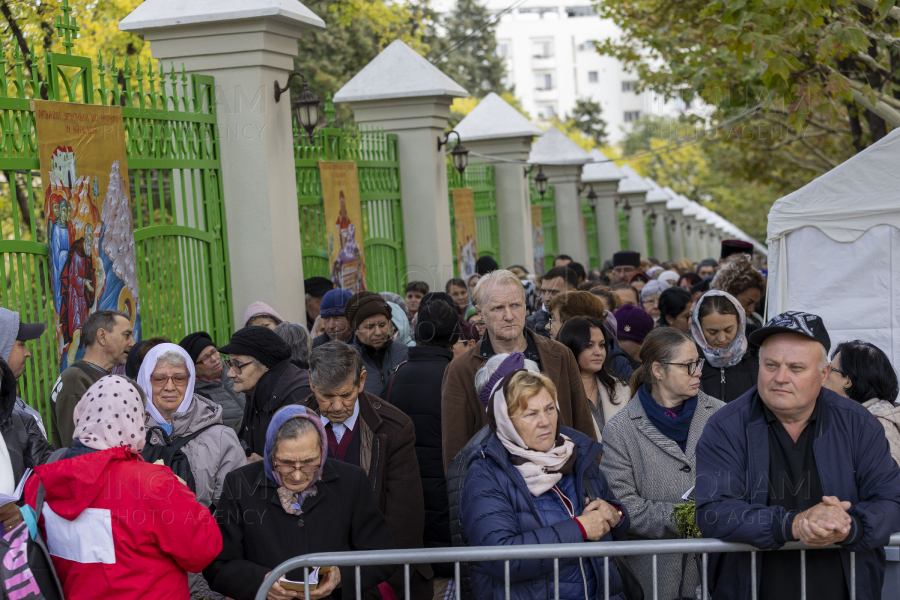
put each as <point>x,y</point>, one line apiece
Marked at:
<point>293,411</point>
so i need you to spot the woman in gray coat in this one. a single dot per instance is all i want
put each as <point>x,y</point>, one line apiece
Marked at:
<point>649,452</point>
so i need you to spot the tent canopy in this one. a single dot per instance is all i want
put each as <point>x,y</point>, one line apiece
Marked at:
<point>834,249</point>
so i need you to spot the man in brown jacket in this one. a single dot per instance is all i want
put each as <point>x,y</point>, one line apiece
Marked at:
<point>366,431</point>
<point>500,299</point>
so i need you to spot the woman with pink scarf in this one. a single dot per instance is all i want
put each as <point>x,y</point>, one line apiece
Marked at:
<point>535,482</point>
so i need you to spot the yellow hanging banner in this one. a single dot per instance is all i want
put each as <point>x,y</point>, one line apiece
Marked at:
<point>343,222</point>
<point>466,234</point>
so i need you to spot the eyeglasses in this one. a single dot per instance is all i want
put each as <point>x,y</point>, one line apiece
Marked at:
<point>235,365</point>
<point>838,371</point>
<point>691,367</point>
<point>180,379</point>
<point>210,359</point>
<point>305,469</point>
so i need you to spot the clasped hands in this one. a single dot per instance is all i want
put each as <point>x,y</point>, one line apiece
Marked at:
<point>825,523</point>
<point>598,518</point>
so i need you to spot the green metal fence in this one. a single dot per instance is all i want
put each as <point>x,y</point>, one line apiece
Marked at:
<point>548,214</point>
<point>175,189</point>
<point>479,177</point>
<point>375,154</point>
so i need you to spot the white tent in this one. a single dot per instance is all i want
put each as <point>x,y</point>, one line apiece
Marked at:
<point>834,249</point>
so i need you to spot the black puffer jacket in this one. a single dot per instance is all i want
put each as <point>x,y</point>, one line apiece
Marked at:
<point>732,382</point>
<point>282,385</point>
<point>24,440</point>
<point>622,364</point>
<point>538,322</point>
<point>416,390</point>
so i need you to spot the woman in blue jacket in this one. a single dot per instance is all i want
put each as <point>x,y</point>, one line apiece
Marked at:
<point>528,485</point>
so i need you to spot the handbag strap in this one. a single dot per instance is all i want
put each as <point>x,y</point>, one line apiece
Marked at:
<point>387,396</point>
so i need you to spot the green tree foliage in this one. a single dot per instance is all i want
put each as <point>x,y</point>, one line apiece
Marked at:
<point>587,118</point>
<point>674,152</point>
<point>463,45</point>
<point>813,81</point>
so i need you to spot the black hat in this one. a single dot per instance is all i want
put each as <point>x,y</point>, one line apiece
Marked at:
<point>195,343</point>
<point>627,258</point>
<point>437,323</point>
<point>317,286</point>
<point>794,321</point>
<point>730,247</point>
<point>485,265</point>
<point>261,343</point>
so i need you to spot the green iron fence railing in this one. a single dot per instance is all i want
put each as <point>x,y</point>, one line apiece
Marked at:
<point>590,225</point>
<point>479,177</point>
<point>175,189</point>
<point>375,154</point>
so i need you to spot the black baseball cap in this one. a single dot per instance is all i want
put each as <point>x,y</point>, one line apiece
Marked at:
<point>30,331</point>
<point>794,321</point>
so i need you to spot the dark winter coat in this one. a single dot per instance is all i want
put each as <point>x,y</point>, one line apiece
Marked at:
<point>416,390</point>
<point>24,439</point>
<point>732,382</point>
<point>498,510</point>
<point>537,322</point>
<point>387,452</point>
<point>222,393</point>
<point>854,463</point>
<point>258,535</point>
<point>380,365</point>
<point>285,384</point>
<point>622,364</point>
<point>324,339</point>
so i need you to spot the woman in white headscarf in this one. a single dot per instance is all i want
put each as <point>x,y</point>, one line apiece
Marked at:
<point>167,378</point>
<point>719,327</point>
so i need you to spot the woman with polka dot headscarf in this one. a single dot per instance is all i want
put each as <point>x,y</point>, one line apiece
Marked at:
<point>115,525</point>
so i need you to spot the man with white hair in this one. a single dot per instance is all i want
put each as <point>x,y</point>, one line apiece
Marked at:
<point>791,460</point>
<point>500,300</point>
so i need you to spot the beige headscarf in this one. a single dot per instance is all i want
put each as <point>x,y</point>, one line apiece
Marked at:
<point>541,470</point>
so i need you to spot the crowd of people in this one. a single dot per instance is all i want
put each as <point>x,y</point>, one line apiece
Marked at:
<point>508,408</point>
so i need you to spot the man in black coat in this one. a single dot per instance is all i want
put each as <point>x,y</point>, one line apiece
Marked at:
<point>416,390</point>
<point>332,313</point>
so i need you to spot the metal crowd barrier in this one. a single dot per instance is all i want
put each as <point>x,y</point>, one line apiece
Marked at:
<point>537,551</point>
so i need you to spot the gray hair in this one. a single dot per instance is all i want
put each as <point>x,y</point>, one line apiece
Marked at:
<point>396,299</point>
<point>486,285</point>
<point>297,337</point>
<point>292,429</point>
<point>483,374</point>
<point>332,364</point>
<point>102,319</point>
<point>171,357</point>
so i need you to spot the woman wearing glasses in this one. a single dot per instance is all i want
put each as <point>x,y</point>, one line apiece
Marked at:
<point>294,502</point>
<point>649,451</point>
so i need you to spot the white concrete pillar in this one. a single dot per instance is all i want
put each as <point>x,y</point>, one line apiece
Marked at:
<point>634,189</point>
<point>246,47</point>
<point>402,93</point>
<point>656,206</point>
<point>504,136</point>
<point>676,234</point>
<point>604,176</point>
<point>561,160</point>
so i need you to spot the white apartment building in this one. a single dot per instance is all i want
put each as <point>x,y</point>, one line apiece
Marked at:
<point>551,61</point>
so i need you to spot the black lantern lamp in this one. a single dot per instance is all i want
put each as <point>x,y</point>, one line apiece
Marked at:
<point>459,154</point>
<point>540,182</point>
<point>592,197</point>
<point>306,105</point>
<point>652,214</point>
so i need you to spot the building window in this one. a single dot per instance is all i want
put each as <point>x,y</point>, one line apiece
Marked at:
<point>632,115</point>
<point>542,50</point>
<point>540,10</point>
<point>588,45</point>
<point>547,111</point>
<point>503,50</point>
<point>629,86</point>
<point>593,77</point>
<point>580,11</point>
<point>543,81</point>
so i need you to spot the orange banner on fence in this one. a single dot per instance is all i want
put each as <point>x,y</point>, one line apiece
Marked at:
<point>466,234</point>
<point>537,239</point>
<point>343,221</point>
<point>87,211</point>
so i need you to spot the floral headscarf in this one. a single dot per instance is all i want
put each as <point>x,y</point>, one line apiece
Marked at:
<point>110,414</point>
<point>718,357</point>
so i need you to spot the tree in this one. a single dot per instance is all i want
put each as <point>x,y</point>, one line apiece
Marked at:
<point>587,118</point>
<point>463,45</point>
<point>801,85</point>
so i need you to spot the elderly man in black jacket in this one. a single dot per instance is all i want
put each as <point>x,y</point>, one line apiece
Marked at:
<point>416,390</point>
<point>366,431</point>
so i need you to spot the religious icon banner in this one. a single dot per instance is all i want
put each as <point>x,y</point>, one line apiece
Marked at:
<point>343,222</point>
<point>87,210</point>
<point>466,234</point>
<point>537,239</point>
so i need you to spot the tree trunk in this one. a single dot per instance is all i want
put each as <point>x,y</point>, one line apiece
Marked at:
<point>855,127</point>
